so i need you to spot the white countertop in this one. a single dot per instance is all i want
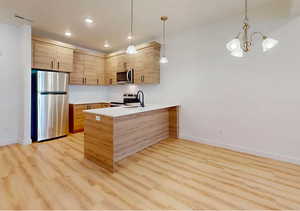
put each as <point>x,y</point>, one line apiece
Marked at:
<point>79,102</point>
<point>123,111</point>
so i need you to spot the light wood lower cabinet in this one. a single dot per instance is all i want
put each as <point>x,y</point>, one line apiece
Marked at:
<point>76,118</point>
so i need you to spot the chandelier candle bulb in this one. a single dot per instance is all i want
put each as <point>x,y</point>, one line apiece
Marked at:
<point>269,43</point>
<point>234,44</point>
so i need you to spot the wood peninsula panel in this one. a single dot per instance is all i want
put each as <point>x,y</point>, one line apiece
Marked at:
<point>126,135</point>
<point>174,122</point>
<point>136,132</point>
<point>98,141</point>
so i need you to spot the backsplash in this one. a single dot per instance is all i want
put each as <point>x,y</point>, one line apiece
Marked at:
<point>87,93</point>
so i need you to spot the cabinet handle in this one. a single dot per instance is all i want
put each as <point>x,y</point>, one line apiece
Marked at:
<point>57,65</point>
<point>52,64</point>
<point>85,81</point>
<point>98,81</point>
<point>82,80</point>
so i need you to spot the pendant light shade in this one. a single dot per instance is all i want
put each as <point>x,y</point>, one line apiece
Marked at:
<point>131,48</point>
<point>164,59</point>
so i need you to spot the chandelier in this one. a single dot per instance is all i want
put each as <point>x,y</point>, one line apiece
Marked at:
<point>243,42</point>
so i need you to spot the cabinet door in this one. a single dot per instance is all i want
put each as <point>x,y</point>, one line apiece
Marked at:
<point>96,106</point>
<point>105,105</point>
<point>43,55</point>
<point>90,70</point>
<point>79,117</point>
<point>111,70</point>
<point>77,76</point>
<point>147,64</point>
<point>100,70</point>
<point>65,57</point>
<point>107,71</point>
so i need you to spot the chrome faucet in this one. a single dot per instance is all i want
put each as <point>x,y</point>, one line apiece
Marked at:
<point>142,101</point>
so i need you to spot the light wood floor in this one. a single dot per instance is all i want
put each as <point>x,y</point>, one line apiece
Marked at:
<point>174,174</point>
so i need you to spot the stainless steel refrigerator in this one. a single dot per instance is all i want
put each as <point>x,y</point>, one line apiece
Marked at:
<point>50,108</point>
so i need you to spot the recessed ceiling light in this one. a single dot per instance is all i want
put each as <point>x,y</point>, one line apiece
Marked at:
<point>68,34</point>
<point>88,20</point>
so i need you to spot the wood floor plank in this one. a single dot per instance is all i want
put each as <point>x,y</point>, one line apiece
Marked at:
<point>174,174</point>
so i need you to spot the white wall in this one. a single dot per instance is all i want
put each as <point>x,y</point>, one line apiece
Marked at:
<point>15,62</point>
<point>249,104</point>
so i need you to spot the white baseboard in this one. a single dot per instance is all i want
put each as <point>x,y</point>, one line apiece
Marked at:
<point>8,142</point>
<point>245,150</point>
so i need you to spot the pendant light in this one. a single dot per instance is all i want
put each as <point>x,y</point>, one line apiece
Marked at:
<point>243,42</point>
<point>131,48</point>
<point>164,59</point>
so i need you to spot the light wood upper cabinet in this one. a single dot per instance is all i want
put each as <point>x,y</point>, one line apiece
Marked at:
<point>43,55</point>
<point>77,76</point>
<point>51,55</point>
<point>111,69</point>
<point>145,64</point>
<point>64,61</point>
<point>88,69</point>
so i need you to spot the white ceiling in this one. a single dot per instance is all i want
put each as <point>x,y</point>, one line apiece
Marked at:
<point>112,17</point>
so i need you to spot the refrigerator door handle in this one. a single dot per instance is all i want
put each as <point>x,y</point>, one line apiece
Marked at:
<point>53,93</point>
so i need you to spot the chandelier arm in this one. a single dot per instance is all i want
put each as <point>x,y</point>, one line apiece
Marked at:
<point>238,35</point>
<point>257,33</point>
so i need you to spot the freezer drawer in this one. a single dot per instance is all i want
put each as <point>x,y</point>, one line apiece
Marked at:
<point>52,117</point>
<point>52,81</point>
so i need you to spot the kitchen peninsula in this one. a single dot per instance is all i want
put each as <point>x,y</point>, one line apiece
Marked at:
<point>112,134</point>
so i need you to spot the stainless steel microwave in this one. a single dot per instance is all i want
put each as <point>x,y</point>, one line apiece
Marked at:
<point>126,77</point>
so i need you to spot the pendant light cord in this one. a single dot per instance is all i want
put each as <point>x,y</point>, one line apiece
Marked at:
<point>131,21</point>
<point>164,38</point>
<point>246,10</point>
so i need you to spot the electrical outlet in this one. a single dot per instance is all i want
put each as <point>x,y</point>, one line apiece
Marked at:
<point>98,118</point>
<point>220,132</point>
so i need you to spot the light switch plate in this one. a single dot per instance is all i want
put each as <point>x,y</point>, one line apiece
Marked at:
<point>98,118</point>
